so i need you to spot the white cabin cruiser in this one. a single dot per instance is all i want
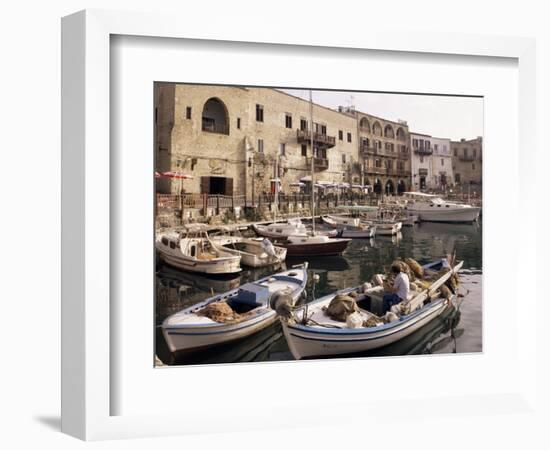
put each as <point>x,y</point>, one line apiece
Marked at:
<point>192,250</point>
<point>431,208</point>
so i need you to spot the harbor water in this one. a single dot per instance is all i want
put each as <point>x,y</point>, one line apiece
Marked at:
<point>457,331</point>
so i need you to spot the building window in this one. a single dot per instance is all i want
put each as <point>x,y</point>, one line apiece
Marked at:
<point>340,135</point>
<point>473,166</point>
<point>421,159</point>
<point>288,121</point>
<point>435,148</point>
<point>442,162</point>
<point>259,113</point>
<point>260,145</point>
<point>283,149</point>
<point>303,124</point>
<point>457,178</point>
<point>239,123</point>
<point>304,150</point>
<point>415,143</point>
<point>349,137</point>
<point>456,152</point>
<point>343,158</point>
<point>188,112</point>
<point>377,163</point>
<point>323,130</point>
<point>465,151</point>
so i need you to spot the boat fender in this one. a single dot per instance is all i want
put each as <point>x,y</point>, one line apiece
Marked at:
<point>354,320</point>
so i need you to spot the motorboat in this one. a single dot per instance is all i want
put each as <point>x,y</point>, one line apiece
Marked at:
<point>314,245</point>
<point>431,208</point>
<point>310,332</point>
<point>356,229</point>
<point>254,252</point>
<point>235,314</point>
<point>280,230</point>
<point>192,250</point>
<point>341,221</point>
<point>384,227</point>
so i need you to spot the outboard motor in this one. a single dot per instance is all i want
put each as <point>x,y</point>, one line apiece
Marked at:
<point>269,248</point>
<point>282,302</point>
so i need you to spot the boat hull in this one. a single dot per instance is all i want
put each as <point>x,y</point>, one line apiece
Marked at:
<point>332,247</point>
<point>192,340</point>
<point>451,215</point>
<point>306,343</point>
<point>225,266</point>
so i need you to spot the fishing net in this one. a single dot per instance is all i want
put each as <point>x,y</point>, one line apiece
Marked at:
<point>416,268</point>
<point>340,307</point>
<point>220,312</point>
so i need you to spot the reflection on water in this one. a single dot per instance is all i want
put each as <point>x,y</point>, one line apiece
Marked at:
<point>455,331</point>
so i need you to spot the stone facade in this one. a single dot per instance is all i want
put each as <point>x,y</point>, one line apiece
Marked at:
<point>233,140</point>
<point>421,162</point>
<point>442,164</point>
<point>467,162</point>
<point>384,152</point>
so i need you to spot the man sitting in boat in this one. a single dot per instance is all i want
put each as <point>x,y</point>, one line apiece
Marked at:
<point>400,289</point>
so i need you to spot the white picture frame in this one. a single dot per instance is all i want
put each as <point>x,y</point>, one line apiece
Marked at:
<point>87,384</point>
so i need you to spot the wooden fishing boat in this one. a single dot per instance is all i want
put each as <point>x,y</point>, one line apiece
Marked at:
<point>351,231</point>
<point>311,333</point>
<point>254,252</point>
<point>341,221</point>
<point>280,230</point>
<point>317,245</point>
<point>193,251</point>
<point>252,309</point>
<point>384,227</point>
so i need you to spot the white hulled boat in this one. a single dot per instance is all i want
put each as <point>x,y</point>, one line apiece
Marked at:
<point>254,252</point>
<point>247,309</point>
<point>311,333</point>
<point>192,250</point>
<point>431,208</point>
<point>356,229</point>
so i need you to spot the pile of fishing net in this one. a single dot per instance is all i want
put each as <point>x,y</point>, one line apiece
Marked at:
<point>220,312</point>
<point>343,308</point>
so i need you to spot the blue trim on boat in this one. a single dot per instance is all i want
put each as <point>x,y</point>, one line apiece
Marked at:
<point>202,333</point>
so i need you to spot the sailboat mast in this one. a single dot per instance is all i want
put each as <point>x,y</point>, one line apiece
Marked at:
<point>312,163</point>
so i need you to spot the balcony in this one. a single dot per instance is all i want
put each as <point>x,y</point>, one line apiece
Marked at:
<point>376,170</point>
<point>467,158</point>
<point>319,164</point>
<point>369,150</point>
<point>423,151</point>
<point>320,140</point>
<point>212,127</point>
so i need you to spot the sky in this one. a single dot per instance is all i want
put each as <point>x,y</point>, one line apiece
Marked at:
<point>438,116</point>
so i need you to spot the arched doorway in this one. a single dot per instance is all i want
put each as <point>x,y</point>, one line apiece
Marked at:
<point>214,117</point>
<point>401,187</point>
<point>377,187</point>
<point>390,188</point>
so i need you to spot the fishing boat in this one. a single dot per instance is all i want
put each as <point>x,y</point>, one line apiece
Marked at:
<point>341,221</point>
<point>311,333</point>
<point>431,208</point>
<point>358,231</point>
<point>279,230</point>
<point>384,227</point>
<point>254,252</point>
<point>239,312</point>
<point>316,245</point>
<point>192,250</point>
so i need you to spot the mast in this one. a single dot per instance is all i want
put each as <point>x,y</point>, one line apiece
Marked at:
<point>276,178</point>
<point>312,163</point>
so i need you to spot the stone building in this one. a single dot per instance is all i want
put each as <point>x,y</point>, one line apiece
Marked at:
<point>238,141</point>
<point>384,152</point>
<point>421,162</point>
<point>467,163</point>
<point>442,164</point>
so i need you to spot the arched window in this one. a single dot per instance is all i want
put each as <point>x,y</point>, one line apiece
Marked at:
<point>377,129</point>
<point>214,117</point>
<point>364,124</point>
<point>388,132</point>
<point>400,134</point>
